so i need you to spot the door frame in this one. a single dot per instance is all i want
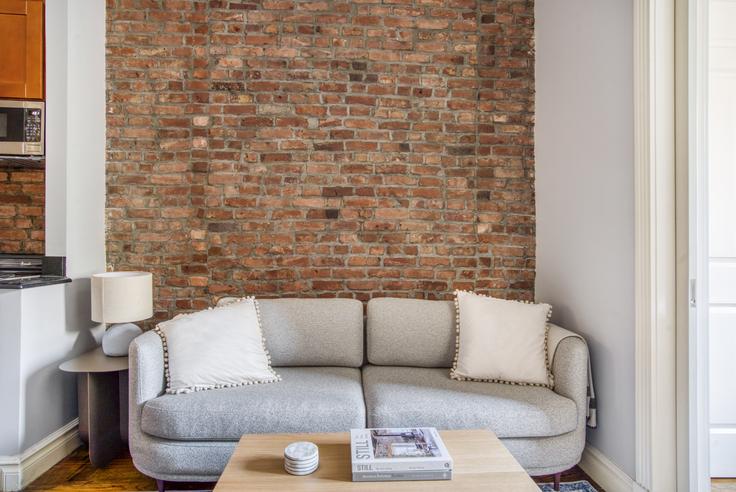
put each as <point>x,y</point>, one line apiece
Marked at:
<point>655,245</point>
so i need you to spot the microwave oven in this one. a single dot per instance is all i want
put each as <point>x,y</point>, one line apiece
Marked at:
<point>21,128</point>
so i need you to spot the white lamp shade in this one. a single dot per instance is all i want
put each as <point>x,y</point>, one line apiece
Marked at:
<point>121,297</point>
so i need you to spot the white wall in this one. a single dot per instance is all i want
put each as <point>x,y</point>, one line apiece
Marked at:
<point>585,196</point>
<point>48,397</point>
<point>75,162</point>
<point>57,33</point>
<point>10,308</point>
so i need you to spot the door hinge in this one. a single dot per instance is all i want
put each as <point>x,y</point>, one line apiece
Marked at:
<point>691,296</point>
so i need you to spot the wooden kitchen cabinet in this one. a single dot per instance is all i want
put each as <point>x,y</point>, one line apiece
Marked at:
<point>21,49</point>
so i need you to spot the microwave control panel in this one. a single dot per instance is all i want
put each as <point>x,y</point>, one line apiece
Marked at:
<point>32,125</point>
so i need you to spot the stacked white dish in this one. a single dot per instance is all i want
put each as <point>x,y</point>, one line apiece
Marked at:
<point>301,458</point>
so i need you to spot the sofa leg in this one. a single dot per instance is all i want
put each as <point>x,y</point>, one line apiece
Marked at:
<point>161,485</point>
<point>558,477</point>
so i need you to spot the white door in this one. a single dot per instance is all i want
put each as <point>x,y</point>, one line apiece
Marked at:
<point>722,235</point>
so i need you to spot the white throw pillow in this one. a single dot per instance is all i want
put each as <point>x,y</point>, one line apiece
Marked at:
<point>501,341</point>
<point>220,347</point>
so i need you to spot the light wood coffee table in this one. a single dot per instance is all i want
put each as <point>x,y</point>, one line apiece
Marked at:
<point>481,462</point>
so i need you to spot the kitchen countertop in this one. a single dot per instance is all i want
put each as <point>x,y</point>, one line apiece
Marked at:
<point>30,283</point>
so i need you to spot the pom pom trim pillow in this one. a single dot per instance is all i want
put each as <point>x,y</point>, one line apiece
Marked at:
<point>501,341</point>
<point>219,347</point>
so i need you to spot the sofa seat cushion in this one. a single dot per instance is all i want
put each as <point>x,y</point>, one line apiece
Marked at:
<point>412,396</point>
<point>307,399</point>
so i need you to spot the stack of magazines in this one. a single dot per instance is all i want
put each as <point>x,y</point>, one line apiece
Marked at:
<point>399,454</point>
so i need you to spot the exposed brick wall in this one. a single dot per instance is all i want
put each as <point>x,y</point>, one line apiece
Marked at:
<point>321,147</point>
<point>22,211</point>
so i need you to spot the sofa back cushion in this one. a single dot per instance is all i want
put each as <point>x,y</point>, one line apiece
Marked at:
<point>312,332</point>
<point>411,332</point>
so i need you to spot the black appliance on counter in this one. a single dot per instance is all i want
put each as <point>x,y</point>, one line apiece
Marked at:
<point>26,271</point>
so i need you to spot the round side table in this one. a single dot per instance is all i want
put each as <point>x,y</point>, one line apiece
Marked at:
<point>102,390</point>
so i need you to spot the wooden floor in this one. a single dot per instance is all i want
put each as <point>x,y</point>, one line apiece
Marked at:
<point>74,473</point>
<point>718,484</point>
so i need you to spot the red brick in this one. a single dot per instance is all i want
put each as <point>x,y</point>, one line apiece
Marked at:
<point>314,148</point>
<point>22,195</point>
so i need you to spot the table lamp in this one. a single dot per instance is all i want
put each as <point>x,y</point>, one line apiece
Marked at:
<point>121,298</point>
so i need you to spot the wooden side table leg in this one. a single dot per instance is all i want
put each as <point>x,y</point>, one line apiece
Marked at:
<point>99,415</point>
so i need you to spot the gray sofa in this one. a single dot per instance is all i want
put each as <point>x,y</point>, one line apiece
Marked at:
<point>330,383</point>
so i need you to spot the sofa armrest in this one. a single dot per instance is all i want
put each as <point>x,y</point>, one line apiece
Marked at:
<point>146,381</point>
<point>146,370</point>
<point>570,368</point>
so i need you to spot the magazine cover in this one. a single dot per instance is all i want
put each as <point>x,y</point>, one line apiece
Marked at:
<point>398,450</point>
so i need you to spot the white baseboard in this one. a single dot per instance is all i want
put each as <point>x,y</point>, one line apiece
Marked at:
<point>16,472</point>
<point>606,473</point>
